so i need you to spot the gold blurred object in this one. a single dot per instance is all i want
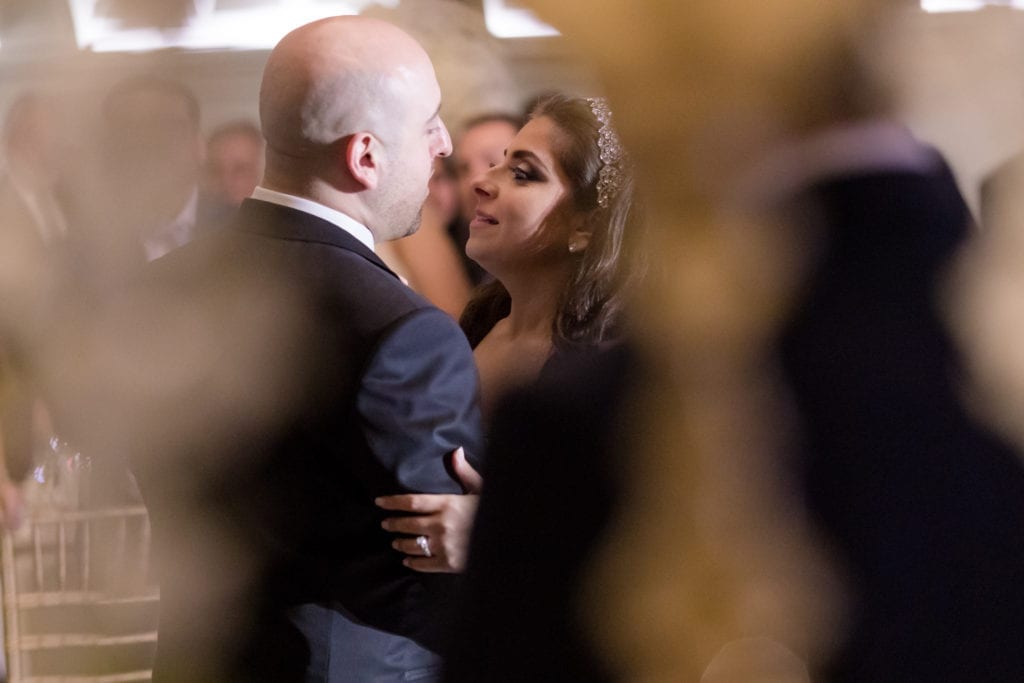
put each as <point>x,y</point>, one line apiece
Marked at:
<point>709,551</point>
<point>984,305</point>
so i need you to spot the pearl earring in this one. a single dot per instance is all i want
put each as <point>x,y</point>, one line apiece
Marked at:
<point>573,248</point>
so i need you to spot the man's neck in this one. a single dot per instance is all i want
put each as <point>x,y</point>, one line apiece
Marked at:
<point>322,192</point>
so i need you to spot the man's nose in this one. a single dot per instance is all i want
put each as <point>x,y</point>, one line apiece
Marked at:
<point>445,148</point>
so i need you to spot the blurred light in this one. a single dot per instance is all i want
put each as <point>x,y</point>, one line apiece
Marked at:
<point>506,19</point>
<point>951,5</point>
<point>253,28</point>
<point>967,5</point>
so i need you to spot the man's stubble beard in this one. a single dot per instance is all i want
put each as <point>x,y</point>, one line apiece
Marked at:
<point>403,213</point>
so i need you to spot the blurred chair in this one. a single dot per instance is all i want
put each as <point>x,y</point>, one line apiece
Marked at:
<point>79,602</point>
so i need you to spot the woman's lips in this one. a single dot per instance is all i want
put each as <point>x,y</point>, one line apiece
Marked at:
<point>482,218</point>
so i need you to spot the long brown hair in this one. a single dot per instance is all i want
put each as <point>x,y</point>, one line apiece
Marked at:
<point>590,307</point>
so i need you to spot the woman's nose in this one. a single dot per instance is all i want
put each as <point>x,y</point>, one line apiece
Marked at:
<point>483,187</point>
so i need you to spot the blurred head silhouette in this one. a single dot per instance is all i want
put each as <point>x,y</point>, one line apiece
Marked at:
<point>152,147</point>
<point>31,140</point>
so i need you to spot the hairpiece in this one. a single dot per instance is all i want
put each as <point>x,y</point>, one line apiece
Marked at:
<point>611,175</point>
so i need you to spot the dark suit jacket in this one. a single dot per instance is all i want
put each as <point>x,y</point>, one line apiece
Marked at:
<point>924,506</point>
<point>382,387</point>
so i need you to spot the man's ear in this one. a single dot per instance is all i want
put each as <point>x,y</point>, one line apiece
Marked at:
<point>363,156</point>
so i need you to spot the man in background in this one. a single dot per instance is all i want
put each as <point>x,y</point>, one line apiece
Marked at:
<point>33,232</point>
<point>234,162</point>
<point>143,198</point>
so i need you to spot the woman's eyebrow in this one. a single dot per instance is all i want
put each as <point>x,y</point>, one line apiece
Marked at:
<point>528,156</point>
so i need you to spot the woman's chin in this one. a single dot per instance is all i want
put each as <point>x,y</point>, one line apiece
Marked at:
<point>478,254</point>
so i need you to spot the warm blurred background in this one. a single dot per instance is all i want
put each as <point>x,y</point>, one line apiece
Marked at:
<point>752,585</point>
<point>955,72</point>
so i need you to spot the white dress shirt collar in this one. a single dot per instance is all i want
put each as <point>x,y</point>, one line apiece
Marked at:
<point>176,233</point>
<point>333,216</point>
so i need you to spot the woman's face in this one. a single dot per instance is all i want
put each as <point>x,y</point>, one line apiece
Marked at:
<point>515,199</point>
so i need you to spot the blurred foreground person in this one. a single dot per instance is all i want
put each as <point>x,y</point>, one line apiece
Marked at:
<point>998,193</point>
<point>33,236</point>
<point>923,503</point>
<point>33,219</point>
<point>550,224</point>
<point>144,199</point>
<point>135,198</point>
<point>984,301</point>
<point>275,567</point>
<point>920,507</point>
<point>234,162</point>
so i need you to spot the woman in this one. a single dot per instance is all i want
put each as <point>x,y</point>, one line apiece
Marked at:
<point>550,226</point>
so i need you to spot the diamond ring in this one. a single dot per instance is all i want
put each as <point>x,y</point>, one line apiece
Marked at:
<point>424,545</point>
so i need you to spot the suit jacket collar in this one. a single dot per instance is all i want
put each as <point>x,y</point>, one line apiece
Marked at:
<point>281,222</point>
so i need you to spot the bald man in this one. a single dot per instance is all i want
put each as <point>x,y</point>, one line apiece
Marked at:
<point>384,387</point>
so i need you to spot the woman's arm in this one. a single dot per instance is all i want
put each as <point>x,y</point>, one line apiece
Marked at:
<point>443,521</point>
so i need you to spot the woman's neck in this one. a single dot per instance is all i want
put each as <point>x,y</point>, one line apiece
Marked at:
<point>516,348</point>
<point>534,299</point>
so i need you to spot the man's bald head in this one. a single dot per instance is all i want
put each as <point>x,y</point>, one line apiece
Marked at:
<point>350,109</point>
<point>334,77</point>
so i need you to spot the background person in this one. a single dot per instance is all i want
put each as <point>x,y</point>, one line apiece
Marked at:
<point>234,162</point>
<point>479,146</point>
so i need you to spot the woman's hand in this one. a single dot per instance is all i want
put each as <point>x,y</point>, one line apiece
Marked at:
<point>443,522</point>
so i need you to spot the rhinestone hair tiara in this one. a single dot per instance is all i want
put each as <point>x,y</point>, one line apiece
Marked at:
<point>611,175</point>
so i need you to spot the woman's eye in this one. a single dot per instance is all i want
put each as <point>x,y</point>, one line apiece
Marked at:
<point>519,174</point>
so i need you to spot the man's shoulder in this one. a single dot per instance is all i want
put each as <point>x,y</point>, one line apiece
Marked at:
<point>349,281</point>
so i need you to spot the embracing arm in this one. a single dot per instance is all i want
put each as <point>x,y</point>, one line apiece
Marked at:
<point>418,403</point>
<point>445,520</point>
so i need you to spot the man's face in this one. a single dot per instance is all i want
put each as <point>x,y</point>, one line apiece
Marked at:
<point>480,148</point>
<point>420,138</point>
<point>234,165</point>
<point>152,142</point>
